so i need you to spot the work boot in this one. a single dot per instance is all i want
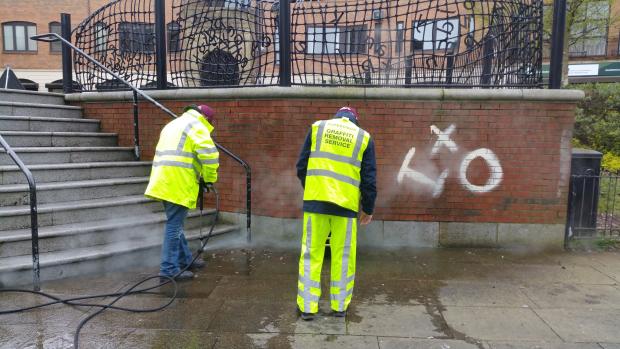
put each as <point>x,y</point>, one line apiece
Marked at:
<point>199,263</point>
<point>339,313</point>
<point>186,275</point>
<point>305,316</point>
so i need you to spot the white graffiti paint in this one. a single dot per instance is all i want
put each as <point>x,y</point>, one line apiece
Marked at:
<point>417,176</point>
<point>495,171</point>
<point>443,139</point>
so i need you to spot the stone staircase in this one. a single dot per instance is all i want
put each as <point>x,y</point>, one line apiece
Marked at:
<point>92,214</point>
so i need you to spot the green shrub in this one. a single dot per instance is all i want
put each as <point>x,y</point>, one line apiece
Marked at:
<point>597,122</point>
<point>611,162</point>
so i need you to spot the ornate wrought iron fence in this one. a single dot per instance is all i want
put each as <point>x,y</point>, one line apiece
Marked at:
<point>594,206</point>
<point>210,43</point>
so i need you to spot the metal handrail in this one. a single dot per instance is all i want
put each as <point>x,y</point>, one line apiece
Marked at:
<point>34,225</point>
<point>53,37</point>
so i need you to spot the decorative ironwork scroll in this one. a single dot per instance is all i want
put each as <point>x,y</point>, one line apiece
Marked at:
<point>120,35</point>
<point>410,43</point>
<point>417,42</point>
<point>224,43</point>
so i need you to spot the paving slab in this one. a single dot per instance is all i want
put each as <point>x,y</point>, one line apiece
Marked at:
<point>610,345</point>
<point>584,325</point>
<point>165,339</point>
<point>412,343</point>
<point>482,294</point>
<point>247,288</point>
<point>391,320</point>
<point>333,342</point>
<point>228,340</point>
<point>518,324</point>
<point>392,291</point>
<point>54,315</point>
<point>565,295</point>
<point>542,345</point>
<point>544,274</point>
<point>255,317</point>
<point>187,314</point>
<point>19,336</point>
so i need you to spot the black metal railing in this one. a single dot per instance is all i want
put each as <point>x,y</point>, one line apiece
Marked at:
<point>34,222</point>
<point>52,37</point>
<point>406,43</point>
<point>594,206</point>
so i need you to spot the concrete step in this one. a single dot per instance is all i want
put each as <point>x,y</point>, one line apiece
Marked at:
<point>47,173</point>
<point>59,155</point>
<point>47,110</point>
<point>15,271</point>
<point>19,194</point>
<point>18,217</point>
<point>59,139</point>
<point>78,235</point>
<point>31,97</point>
<point>49,124</point>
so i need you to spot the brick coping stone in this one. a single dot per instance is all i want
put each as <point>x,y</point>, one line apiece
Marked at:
<point>364,93</point>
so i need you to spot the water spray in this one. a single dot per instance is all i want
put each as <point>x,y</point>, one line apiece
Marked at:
<point>134,289</point>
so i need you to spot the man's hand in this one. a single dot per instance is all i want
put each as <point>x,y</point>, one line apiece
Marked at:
<point>208,187</point>
<point>365,218</point>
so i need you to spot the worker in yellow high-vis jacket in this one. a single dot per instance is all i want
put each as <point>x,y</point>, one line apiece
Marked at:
<point>337,168</point>
<point>185,155</point>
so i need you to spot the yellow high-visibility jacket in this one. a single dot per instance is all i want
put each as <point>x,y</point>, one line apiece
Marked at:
<point>184,153</point>
<point>333,174</point>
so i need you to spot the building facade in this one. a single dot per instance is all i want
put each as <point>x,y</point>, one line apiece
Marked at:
<point>37,61</point>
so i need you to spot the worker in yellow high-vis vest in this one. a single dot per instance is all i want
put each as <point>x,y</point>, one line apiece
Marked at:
<point>337,168</point>
<point>185,155</point>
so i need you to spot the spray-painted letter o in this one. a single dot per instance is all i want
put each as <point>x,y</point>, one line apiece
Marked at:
<point>495,169</point>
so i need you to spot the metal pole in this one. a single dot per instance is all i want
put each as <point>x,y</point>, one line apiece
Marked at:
<point>248,204</point>
<point>284,30</point>
<point>136,129</point>
<point>160,44</point>
<point>487,60</point>
<point>67,64</point>
<point>557,44</point>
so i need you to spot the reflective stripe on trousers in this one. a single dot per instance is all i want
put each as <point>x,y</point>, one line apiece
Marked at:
<point>317,228</point>
<point>340,294</point>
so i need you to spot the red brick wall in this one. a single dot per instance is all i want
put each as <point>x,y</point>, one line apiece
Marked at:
<point>531,141</point>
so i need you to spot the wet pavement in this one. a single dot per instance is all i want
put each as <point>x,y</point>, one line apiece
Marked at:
<point>406,299</point>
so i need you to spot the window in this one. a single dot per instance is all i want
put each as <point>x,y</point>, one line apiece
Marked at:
<point>322,40</point>
<point>276,44</point>
<point>101,36</point>
<point>441,34</point>
<point>174,37</point>
<point>400,36</point>
<point>55,46</point>
<point>331,40</point>
<point>588,33</point>
<point>377,43</point>
<point>353,39</point>
<point>16,36</point>
<point>137,37</point>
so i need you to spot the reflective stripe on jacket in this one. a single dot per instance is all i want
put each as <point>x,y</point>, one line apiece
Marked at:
<point>185,152</point>
<point>333,173</point>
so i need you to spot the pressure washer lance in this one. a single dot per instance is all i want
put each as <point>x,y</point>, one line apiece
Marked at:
<point>76,301</point>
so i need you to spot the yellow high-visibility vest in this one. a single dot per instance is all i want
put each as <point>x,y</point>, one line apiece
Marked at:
<point>185,152</point>
<point>333,173</point>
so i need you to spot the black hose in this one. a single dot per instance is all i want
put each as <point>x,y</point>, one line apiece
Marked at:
<point>76,301</point>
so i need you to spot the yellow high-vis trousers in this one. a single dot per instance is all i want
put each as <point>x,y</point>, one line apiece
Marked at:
<point>316,228</point>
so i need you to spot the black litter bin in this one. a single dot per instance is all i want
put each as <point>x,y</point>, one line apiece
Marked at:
<point>584,192</point>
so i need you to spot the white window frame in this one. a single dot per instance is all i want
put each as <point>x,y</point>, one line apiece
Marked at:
<point>28,29</point>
